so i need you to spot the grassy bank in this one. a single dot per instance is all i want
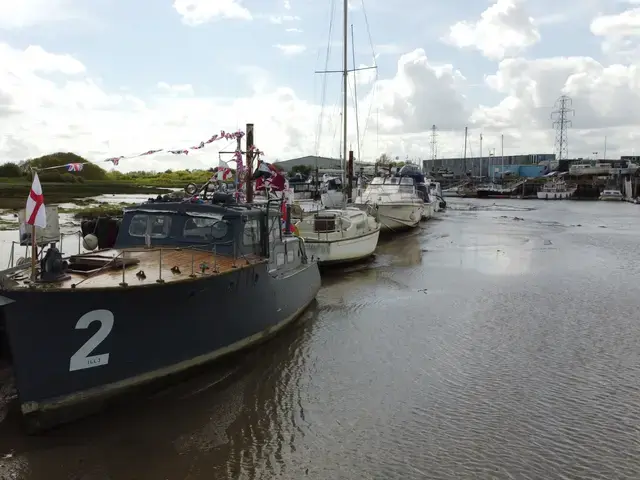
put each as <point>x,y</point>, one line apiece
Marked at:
<point>95,211</point>
<point>13,194</point>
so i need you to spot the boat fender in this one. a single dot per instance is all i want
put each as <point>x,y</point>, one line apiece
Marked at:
<point>90,242</point>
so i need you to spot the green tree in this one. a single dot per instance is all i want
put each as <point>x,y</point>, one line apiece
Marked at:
<point>10,169</point>
<point>89,171</point>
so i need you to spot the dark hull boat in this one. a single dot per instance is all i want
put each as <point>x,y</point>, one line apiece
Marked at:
<point>184,285</point>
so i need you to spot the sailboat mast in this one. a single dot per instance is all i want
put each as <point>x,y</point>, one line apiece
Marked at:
<point>345,84</point>
<point>464,160</point>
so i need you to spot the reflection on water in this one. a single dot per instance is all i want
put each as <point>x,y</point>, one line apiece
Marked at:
<point>480,346</point>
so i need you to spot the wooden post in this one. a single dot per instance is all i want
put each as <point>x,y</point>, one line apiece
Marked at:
<point>349,184</point>
<point>34,252</point>
<point>249,174</point>
<point>237,182</point>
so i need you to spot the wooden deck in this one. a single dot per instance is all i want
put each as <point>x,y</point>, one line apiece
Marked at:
<point>176,266</point>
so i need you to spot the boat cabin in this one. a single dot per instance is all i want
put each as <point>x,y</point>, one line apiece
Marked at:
<point>411,171</point>
<point>391,185</point>
<point>230,229</point>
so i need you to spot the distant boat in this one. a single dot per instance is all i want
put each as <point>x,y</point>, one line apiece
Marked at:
<point>612,195</point>
<point>556,190</point>
<point>493,191</point>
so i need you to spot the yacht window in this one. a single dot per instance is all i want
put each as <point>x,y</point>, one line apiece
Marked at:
<point>205,229</point>
<point>280,258</point>
<point>154,225</point>
<point>345,223</point>
<point>406,181</point>
<point>290,256</point>
<point>251,235</point>
<point>392,181</point>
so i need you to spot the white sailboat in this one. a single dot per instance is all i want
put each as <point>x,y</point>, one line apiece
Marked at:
<point>346,234</point>
<point>339,235</point>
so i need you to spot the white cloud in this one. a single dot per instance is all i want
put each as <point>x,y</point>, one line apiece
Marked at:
<point>287,5</point>
<point>280,19</point>
<point>293,30</point>
<point>28,13</point>
<point>504,29</point>
<point>291,49</point>
<point>419,95</point>
<point>176,89</point>
<point>198,12</point>
<point>605,98</point>
<point>620,33</point>
<point>49,101</point>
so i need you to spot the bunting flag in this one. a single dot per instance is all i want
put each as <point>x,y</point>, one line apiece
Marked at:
<point>266,175</point>
<point>77,167</point>
<point>181,151</point>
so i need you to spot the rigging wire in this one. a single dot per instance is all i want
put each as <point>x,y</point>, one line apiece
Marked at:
<point>355,92</point>
<point>324,75</point>
<point>375,79</point>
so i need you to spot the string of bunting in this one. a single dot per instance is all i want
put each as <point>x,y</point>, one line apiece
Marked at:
<point>77,167</point>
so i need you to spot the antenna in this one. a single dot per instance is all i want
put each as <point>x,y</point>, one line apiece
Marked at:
<point>561,123</point>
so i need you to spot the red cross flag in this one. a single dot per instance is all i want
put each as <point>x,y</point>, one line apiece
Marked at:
<point>35,213</point>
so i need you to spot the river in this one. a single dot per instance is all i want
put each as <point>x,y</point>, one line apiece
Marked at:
<point>499,341</point>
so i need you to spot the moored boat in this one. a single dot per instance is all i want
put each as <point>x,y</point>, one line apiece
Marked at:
<point>612,195</point>
<point>394,201</point>
<point>554,190</point>
<point>335,236</point>
<point>184,284</point>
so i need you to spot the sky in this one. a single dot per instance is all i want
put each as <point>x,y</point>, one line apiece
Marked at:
<point>106,78</point>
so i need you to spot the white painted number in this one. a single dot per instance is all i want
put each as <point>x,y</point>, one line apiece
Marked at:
<point>81,359</point>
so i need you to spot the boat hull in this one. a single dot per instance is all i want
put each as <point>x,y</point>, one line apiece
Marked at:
<point>611,199</point>
<point>554,195</point>
<point>133,336</point>
<point>429,209</point>
<point>342,251</point>
<point>396,217</point>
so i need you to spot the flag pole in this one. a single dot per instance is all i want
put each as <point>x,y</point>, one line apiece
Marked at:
<point>34,249</point>
<point>34,253</point>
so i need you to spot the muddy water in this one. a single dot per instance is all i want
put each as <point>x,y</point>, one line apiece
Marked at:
<point>499,341</point>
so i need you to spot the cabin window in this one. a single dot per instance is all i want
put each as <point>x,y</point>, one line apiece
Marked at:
<point>290,256</point>
<point>154,225</point>
<point>274,229</point>
<point>251,234</point>
<point>280,258</point>
<point>204,229</point>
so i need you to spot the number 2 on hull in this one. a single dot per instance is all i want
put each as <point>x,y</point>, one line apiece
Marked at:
<point>81,359</point>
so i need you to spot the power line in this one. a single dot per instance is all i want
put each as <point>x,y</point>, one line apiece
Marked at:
<point>561,123</point>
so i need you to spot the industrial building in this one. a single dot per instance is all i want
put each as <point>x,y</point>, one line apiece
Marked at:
<point>322,163</point>
<point>490,165</point>
<point>310,161</point>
